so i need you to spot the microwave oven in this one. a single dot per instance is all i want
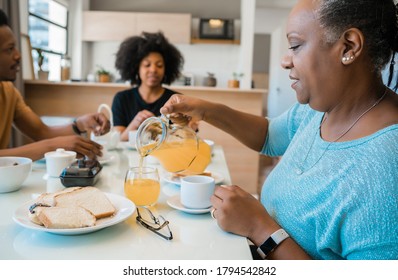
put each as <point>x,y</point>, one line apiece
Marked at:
<point>216,28</point>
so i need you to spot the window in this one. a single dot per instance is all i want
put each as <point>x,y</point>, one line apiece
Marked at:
<point>48,31</point>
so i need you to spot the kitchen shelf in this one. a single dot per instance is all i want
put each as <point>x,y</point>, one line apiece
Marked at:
<point>214,41</point>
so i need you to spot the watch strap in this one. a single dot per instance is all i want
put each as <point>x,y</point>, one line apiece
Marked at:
<point>272,242</point>
<point>76,129</point>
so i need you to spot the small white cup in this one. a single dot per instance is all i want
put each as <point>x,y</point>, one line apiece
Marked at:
<point>210,143</point>
<point>196,191</point>
<point>109,141</point>
<point>58,160</point>
<point>132,138</point>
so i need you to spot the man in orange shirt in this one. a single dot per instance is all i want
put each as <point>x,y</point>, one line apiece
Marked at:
<point>14,111</point>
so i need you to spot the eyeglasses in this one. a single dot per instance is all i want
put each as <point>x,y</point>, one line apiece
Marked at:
<point>154,224</point>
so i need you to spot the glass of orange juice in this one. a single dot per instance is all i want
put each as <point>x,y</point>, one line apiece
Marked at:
<point>142,186</point>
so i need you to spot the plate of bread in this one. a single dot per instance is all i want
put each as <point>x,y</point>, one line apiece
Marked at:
<point>73,211</point>
<point>174,178</point>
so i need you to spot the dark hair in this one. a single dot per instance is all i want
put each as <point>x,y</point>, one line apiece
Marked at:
<point>134,49</point>
<point>3,18</point>
<point>377,20</point>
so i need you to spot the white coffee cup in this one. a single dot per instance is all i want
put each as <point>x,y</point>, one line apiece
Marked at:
<point>132,138</point>
<point>210,143</point>
<point>109,141</point>
<point>196,191</point>
<point>57,160</point>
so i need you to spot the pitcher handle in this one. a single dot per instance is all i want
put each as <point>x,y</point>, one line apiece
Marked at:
<point>107,108</point>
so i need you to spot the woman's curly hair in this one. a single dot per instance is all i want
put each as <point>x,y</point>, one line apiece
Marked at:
<point>134,49</point>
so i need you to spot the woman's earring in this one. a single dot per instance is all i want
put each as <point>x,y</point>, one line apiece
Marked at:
<point>347,58</point>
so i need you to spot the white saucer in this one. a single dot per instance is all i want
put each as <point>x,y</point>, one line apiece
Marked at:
<point>107,159</point>
<point>127,145</point>
<point>175,203</point>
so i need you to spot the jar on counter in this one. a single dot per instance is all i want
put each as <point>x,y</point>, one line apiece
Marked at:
<point>210,80</point>
<point>65,68</point>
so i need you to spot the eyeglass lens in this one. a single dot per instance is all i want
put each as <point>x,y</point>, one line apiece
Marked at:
<point>147,219</point>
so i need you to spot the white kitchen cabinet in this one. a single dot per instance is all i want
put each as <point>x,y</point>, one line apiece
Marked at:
<point>116,26</point>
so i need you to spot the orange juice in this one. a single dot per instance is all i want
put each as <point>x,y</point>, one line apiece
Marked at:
<point>143,192</point>
<point>185,157</point>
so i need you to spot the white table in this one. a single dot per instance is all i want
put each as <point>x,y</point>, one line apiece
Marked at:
<point>195,236</point>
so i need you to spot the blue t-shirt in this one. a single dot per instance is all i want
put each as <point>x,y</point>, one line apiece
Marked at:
<point>336,200</point>
<point>126,104</point>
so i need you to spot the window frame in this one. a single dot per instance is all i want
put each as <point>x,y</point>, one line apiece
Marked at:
<point>48,50</point>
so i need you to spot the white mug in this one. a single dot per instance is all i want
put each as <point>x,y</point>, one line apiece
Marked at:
<point>132,138</point>
<point>57,160</point>
<point>110,140</point>
<point>210,143</point>
<point>196,191</point>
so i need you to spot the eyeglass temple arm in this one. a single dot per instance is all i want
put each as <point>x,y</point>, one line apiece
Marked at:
<point>139,219</point>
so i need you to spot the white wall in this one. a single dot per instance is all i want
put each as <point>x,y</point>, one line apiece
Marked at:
<point>245,66</point>
<point>23,11</point>
<point>280,96</point>
<point>222,60</point>
<point>76,50</point>
<point>219,59</point>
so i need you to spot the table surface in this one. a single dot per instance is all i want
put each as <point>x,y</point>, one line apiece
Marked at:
<point>196,236</point>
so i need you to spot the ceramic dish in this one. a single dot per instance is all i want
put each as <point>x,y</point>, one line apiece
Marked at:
<point>170,178</point>
<point>127,145</point>
<point>124,209</point>
<point>107,159</point>
<point>174,202</point>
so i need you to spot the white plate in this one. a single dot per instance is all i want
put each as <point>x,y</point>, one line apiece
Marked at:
<point>124,209</point>
<point>41,161</point>
<point>169,178</point>
<point>107,159</point>
<point>175,203</point>
<point>127,145</point>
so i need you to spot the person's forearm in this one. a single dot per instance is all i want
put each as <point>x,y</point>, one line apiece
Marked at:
<point>33,151</point>
<point>249,129</point>
<point>47,132</point>
<point>287,250</point>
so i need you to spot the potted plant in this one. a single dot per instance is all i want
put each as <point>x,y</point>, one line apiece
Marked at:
<point>41,74</point>
<point>104,76</point>
<point>234,83</point>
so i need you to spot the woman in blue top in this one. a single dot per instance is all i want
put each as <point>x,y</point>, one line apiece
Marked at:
<point>147,61</point>
<point>334,194</point>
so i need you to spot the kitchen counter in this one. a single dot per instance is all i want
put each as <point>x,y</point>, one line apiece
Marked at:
<point>72,99</point>
<point>125,86</point>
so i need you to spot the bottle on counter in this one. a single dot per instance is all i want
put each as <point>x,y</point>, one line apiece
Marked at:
<point>65,68</point>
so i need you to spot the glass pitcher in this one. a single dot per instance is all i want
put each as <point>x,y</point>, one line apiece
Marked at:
<point>178,148</point>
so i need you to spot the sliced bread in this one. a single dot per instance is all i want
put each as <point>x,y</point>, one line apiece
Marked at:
<point>66,217</point>
<point>46,200</point>
<point>89,198</point>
